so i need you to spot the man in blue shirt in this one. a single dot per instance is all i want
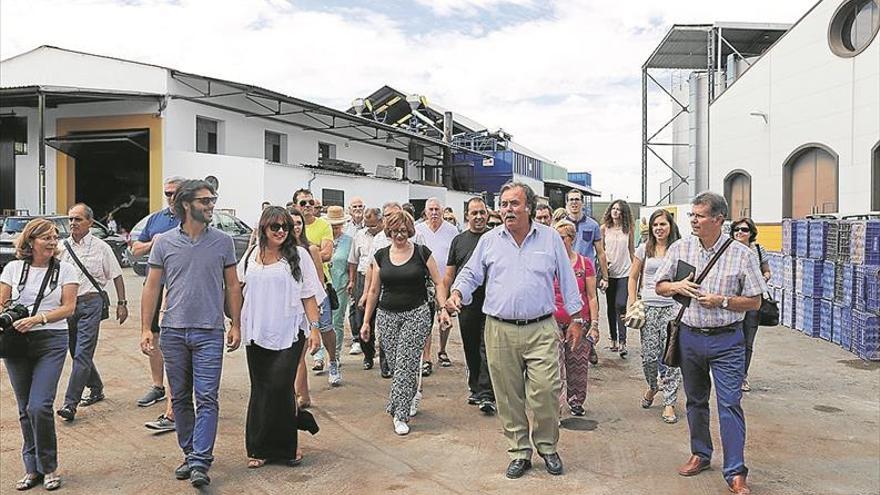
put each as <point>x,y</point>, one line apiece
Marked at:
<point>159,222</point>
<point>517,264</point>
<point>588,241</point>
<point>198,265</point>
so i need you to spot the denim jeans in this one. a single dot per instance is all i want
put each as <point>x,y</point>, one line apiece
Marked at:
<point>339,316</point>
<point>724,355</point>
<point>34,380</point>
<point>83,327</point>
<point>193,362</point>
<point>325,323</point>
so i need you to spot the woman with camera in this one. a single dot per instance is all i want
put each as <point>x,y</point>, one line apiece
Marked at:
<point>47,288</point>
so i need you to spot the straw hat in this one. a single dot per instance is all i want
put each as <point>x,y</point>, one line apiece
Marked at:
<point>336,215</point>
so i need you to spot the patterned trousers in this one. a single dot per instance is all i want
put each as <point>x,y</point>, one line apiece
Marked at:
<point>573,368</point>
<point>402,336</point>
<point>653,343</point>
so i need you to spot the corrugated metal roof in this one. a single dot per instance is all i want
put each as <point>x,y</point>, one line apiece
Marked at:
<point>686,46</point>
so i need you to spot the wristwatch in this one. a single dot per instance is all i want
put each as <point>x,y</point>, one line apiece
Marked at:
<point>725,303</point>
<point>316,325</point>
<point>579,321</point>
<point>122,302</point>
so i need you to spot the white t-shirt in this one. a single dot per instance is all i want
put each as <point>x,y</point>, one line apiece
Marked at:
<point>438,242</point>
<point>649,283</point>
<point>273,313</point>
<point>11,275</point>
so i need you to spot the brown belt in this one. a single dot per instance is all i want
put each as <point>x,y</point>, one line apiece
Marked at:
<point>87,296</point>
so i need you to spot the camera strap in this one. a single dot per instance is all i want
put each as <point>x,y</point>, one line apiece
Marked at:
<point>51,279</point>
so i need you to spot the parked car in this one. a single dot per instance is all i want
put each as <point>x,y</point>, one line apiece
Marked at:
<point>224,221</point>
<point>13,225</point>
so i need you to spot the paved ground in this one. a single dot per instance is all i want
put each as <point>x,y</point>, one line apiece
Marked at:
<point>813,422</point>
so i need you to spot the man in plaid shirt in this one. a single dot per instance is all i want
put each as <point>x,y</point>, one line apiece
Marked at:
<point>711,335</point>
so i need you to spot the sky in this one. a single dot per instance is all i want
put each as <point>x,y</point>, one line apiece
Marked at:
<point>563,77</point>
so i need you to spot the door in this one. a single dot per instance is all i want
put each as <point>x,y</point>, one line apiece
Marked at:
<point>811,183</point>
<point>738,190</point>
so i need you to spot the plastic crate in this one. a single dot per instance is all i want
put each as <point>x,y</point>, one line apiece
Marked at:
<point>844,228</point>
<point>859,287</point>
<point>832,237</point>
<point>809,274</point>
<point>845,327</point>
<point>826,317</point>
<point>788,237</point>
<point>866,335</point>
<point>848,285</point>
<point>837,322</point>
<point>872,289</point>
<point>829,269</point>
<point>865,242</point>
<point>818,231</point>
<point>788,308</point>
<point>802,237</point>
<point>811,316</point>
<point>788,273</point>
<point>774,261</point>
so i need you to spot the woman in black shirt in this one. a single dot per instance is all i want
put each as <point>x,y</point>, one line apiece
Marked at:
<point>403,315</point>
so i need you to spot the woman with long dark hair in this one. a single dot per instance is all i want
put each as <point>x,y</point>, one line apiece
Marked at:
<point>745,231</point>
<point>617,235</point>
<point>280,285</point>
<point>659,310</point>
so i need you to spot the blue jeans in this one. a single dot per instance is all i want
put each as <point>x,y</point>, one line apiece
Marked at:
<point>724,354</point>
<point>34,379</point>
<point>193,361</point>
<point>83,327</point>
<point>325,323</point>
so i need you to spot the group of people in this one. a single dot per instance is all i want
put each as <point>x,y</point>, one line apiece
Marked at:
<point>393,279</point>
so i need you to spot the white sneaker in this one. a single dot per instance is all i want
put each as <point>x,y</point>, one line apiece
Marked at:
<point>334,377</point>
<point>400,427</point>
<point>414,407</point>
<point>355,349</point>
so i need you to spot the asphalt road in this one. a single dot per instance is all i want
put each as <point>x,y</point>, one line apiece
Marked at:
<point>813,428</point>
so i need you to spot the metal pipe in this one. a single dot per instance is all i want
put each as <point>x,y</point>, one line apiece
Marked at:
<point>41,146</point>
<point>645,135</point>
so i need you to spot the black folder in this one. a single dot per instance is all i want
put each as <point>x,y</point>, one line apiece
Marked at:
<point>682,271</point>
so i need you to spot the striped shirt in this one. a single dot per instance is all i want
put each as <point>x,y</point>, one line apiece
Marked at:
<point>736,273</point>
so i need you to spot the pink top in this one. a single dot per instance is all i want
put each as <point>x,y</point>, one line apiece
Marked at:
<point>583,268</point>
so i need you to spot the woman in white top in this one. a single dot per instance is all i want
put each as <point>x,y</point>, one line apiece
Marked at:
<point>659,311</point>
<point>280,288</point>
<point>34,374</point>
<point>617,235</point>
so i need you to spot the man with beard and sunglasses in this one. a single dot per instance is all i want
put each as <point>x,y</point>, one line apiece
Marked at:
<point>159,222</point>
<point>198,265</point>
<point>320,233</point>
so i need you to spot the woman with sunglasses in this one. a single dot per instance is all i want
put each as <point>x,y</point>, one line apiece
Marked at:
<point>34,376</point>
<point>301,384</point>
<point>745,231</point>
<point>280,287</point>
<point>618,238</point>
<point>399,274</point>
<point>659,311</point>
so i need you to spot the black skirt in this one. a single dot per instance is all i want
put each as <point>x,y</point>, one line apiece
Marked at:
<point>272,422</point>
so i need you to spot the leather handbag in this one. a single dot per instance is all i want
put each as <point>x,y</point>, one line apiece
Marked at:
<point>105,299</point>
<point>334,298</point>
<point>15,344</point>
<point>635,314</point>
<point>768,314</point>
<point>672,352</point>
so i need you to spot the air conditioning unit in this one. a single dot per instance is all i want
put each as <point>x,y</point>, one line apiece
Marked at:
<point>388,172</point>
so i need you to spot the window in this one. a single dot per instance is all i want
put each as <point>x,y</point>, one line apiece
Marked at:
<point>332,197</point>
<point>854,25</point>
<point>738,192</point>
<point>17,128</point>
<point>875,178</point>
<point>275,147</point>
<point>809,182</point>
<point>326,151</point>
<point>401,164</point>
<point>207,135</point>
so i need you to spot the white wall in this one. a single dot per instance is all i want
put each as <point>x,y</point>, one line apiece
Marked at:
<point>810,96</point>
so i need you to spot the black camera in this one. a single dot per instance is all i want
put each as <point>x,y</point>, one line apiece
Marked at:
<point>11,315</point>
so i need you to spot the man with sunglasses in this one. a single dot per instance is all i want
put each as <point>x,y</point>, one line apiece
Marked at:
<point>198,264</point>
<point>158,223</point>
<point>320,233</point>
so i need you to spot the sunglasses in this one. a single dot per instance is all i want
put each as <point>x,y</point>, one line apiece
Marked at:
<point>207,200</point>
<point>493,224</point>
<point>307,202</point>
<point>275,227</point>
<point>168,194</point>
<point>744,230</point>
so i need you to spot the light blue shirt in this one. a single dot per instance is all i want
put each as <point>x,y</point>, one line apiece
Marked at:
<point>519,279</point>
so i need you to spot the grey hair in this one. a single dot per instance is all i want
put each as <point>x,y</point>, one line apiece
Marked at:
<point>435,200</point>
<point>717,203</point>
<point>544,206</point>
<point>373,212</point>
<point>86,208</point>
<point>391,204</point>
<point>174,179</point>
<point>531,198</point>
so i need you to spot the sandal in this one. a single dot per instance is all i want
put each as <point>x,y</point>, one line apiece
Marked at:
<point>255,463</point>
<point>427,368</point>
<point>51,482</point>
<point>623,351</point>
<point>646,402</point>
<point>671,419</point>
<point>296,461</point>
<point>302,403</point>
<point>443,359</point>
<point>29,481</point>
<point>613,347</point>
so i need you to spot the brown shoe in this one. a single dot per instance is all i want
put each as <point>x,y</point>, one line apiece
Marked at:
<point>738,485</point>
<point>695,465</point>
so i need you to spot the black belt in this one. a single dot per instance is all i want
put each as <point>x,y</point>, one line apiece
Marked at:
<point>715,330</point>
<point>522,323</point>
<point>87,296</point>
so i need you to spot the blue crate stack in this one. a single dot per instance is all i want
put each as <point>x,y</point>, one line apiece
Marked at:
<point>858,293</point>
<point>801,237</point>
<point>788,308</point>
<point>818,238</point>
<point>846,328</point>
<point>811,318</point>
<point>872,289</point>
<point>826,317</point>
<point>837,323</point>
<point>829,270</point>
<point>866,335</point>
<point>809,274</point>
<point>788,273</point>
<point>788,237</point>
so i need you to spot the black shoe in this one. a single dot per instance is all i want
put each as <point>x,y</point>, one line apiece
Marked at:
<point>199,478</point>
<point>368,364</point>
<point>183,471</point>
<point>67,412</point>
<point>386,373</point>
<point>517,468</point>
<point>578,411</point>
<point>93,398</point>
<point>488,407</point>
<point>474,400</point>
<point>553,463</point>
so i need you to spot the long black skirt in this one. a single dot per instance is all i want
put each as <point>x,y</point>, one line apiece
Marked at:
<point>271,431</point>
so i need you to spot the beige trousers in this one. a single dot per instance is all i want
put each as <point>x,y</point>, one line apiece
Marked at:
<point>524,366</point>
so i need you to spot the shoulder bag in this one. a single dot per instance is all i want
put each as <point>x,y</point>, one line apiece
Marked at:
<point>14,344</point>
<point>672,354</point>
<point>105,299</point>
<point>635,315</point>
<point>768,314</point>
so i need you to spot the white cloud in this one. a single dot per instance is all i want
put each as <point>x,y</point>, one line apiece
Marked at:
<point>566,86</point>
